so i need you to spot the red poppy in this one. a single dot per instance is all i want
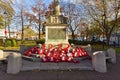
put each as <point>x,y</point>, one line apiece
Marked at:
<point>5,32</point>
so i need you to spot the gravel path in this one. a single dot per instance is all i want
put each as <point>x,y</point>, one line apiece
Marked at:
<point>113,73</point>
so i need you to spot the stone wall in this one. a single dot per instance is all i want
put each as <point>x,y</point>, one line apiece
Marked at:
<point>24,48</point>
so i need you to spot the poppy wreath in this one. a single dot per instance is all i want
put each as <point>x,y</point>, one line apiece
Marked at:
<point>57,54</point>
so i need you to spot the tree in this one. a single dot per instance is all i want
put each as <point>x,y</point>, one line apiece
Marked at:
<point>19,20</point>
<point>104,11</point>
<point>37,16</point>
<point>22,22</point>
<point>74,14</point>
<point>1,21</point>
<point>95,30</point>
<point>50,9</point>
<point>6,12</point>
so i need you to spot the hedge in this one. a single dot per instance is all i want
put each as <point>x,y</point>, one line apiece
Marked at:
<point>11,42</point>
<point>31,42</point>
<point>28,42</point>
<point>76,42</point>
<point>41,41</point>
<point>1,42</point>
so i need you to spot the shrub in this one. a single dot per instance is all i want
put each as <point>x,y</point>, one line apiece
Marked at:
<point>1,42</point>
<point>28,42</point>
<point>41,41</point>
<point>11,42</point>
<point>8,43</point>
<point>76,42</point>
<point>18,42</point>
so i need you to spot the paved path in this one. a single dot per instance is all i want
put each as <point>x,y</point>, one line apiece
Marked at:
<point>113,73</point>
<point>83,65</point>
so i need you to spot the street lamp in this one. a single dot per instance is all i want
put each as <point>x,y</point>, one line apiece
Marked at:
<point>103,30</point>
<point>118,37</point>
<point>5,13</point>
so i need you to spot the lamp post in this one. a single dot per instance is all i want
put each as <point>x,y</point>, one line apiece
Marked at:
<point>103,30</point>
<point>118,37</point>
<point>5,13</point>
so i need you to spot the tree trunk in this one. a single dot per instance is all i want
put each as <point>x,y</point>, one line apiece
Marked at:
<point>39,30</point>
<point>22,23</point>
<point>39,24</point>
<point>107,38</point>
<point>9,31</point>
<point>73,35</point>
<point>22,35</point>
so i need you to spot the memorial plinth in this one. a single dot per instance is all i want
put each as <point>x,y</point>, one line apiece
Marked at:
<point>56,25</point>
<point>56,34</point>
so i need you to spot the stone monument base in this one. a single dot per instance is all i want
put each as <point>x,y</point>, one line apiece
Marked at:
<point>56,35</point>
<point>56,42</point>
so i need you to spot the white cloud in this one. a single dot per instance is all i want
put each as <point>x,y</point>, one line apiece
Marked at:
<point>73,1</point>
<point>19,1</point>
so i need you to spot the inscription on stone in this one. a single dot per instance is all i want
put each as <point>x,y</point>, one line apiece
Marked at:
<point>56,33</point>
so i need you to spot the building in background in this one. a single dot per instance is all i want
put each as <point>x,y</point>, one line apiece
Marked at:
<point>29,34</point>
<point>3,34</point>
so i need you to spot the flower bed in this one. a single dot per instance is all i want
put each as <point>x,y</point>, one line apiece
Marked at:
<point>57,53</point>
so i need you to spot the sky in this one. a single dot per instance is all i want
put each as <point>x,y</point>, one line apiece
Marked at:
<point>29,3</point>
<point>32,2</point>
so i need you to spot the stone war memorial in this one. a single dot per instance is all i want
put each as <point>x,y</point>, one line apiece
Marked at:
<point>59,54</point>
<point>56,47</point>
<point>56,26</point>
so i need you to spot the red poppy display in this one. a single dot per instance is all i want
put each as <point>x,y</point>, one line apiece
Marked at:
<point>57,54</point>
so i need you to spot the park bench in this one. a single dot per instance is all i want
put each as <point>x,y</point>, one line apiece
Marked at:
<point>2,57</point>
<point>99,59</point>
<point>111,55</point>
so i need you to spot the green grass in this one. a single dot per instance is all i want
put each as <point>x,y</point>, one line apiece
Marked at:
<point>100,47</point>
<point>104,48</point>
<point>117,50</point>
<point>10,48</point>
<point>17,48</point>
<point>29,42</point>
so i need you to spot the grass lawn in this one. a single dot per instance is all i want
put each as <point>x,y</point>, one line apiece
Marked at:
<point>117,50</point>
<point>104,47</point>
<point>10,48</point>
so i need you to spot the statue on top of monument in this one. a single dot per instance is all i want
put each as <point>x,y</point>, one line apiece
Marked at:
<point>57,1</point>
<point>57,7</point>
<point>54,16</point>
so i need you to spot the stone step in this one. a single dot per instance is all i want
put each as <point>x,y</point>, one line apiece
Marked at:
<point>83,65</point>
